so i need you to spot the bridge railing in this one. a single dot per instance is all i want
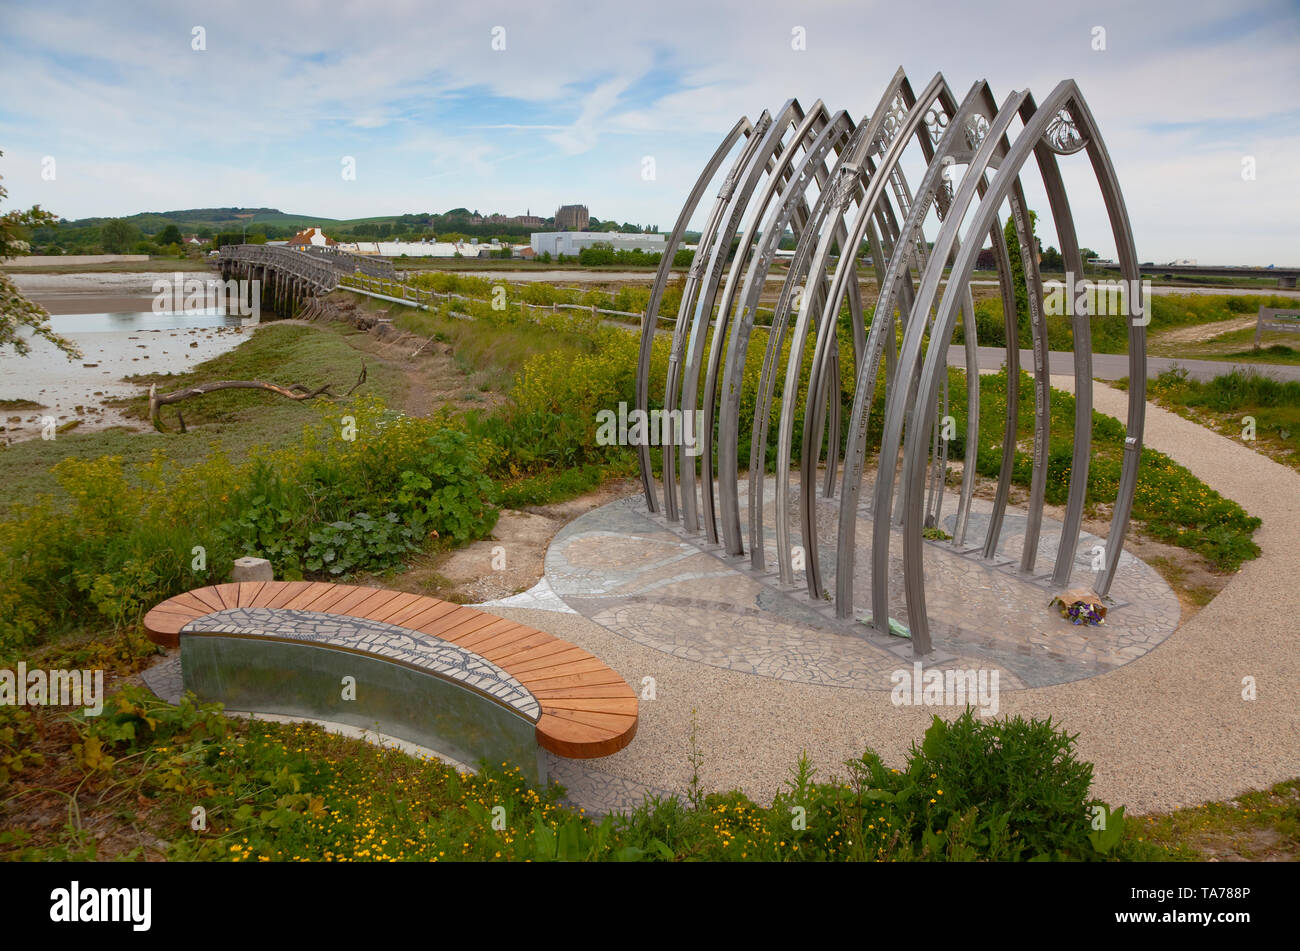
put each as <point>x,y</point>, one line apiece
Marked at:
<point>351,262</point>
<point>320,274</point>
<point>424,297</point>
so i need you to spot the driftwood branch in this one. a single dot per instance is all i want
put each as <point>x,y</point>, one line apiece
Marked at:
<point>423,345</point>
<point>297,392</point>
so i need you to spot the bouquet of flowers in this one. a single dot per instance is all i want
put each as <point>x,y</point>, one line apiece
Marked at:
<point>1080,607</point>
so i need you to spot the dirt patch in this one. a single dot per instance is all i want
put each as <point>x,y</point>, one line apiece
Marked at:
<point>508,562</point>
<point>434,378</point>
<point>1200,333</point>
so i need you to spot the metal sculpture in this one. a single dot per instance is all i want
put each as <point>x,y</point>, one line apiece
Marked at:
<point>863,194</point>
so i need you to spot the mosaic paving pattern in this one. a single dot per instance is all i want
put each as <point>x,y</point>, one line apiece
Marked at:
<point>647,579</point>
<point>399,644</point>
<point>539,597</point>
<point>166,680</point>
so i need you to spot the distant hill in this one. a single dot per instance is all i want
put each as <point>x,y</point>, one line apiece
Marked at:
<point>192,219</point>
<point>85,235</point>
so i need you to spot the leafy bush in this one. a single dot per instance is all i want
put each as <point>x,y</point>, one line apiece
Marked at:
<point>362,542</point>
<point>1020,780</point>
<point>446,492</point>
<point>110,547</point>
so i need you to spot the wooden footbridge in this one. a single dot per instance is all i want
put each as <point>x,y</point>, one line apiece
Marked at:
<point>289,277</point>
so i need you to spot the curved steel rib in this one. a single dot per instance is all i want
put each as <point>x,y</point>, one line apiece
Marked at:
<point>650,324</point>
<point>790,207</point>
<point>793,294</point>
<point>895,404</point>
<point>782,172</point>
<point>771,143</point>
<point>977,101</point>
<point>689,289</point>
<point>1035,125</point>
<point>887,174</point>
<point>892,124</point>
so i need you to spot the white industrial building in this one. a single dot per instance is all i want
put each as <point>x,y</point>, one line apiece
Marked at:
<point>571,242</point>
<point>425,249</point>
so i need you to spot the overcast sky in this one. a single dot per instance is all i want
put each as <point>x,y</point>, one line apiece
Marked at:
<point>136,119</point>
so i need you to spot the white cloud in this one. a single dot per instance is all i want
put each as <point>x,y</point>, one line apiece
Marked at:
<point>436,117</point>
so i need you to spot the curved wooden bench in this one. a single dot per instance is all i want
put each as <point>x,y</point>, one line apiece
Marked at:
<point>586,708</point>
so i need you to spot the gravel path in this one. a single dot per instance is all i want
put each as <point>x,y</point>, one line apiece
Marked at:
<point>1170,729</point>
<point>1114,366</point>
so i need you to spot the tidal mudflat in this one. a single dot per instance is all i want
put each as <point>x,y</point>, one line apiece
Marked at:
<point>113,346</point>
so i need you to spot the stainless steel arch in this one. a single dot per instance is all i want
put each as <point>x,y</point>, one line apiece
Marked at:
<point>789,210</point>
<point>1066,96</point>
<point>650,323</point>
<point>782,172</point>
<point>888,130</point>
<point>862,194</point>
<point>864,391</point>
<point>769,147</point>
<point>683,324</point>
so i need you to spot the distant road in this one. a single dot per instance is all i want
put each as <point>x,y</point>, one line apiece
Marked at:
<point>1113,366</point>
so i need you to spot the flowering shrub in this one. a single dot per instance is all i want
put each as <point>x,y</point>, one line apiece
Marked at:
<point>972,790</point>
<point>109,546</point>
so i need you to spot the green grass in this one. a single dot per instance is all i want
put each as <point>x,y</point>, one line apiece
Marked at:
<point>238,419</point>
<point>1109,334</point>
<point>1169,503</point>
<point>971,790</point>
<point>1277,353</point>
<point>1260,825</point>
<point>1224,403</point>
<point>497,351</point>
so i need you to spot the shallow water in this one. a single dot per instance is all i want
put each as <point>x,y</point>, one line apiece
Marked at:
<point>113,346</point>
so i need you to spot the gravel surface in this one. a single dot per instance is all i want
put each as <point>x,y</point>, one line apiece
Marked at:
<point>1170,729</point>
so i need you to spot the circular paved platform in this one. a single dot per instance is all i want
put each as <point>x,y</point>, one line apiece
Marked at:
<point>649,580</point>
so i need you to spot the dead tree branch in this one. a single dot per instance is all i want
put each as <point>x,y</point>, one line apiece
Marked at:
<point>298,392</point>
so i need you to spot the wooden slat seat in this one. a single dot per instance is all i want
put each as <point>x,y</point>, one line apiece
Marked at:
<point>587,708</point>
